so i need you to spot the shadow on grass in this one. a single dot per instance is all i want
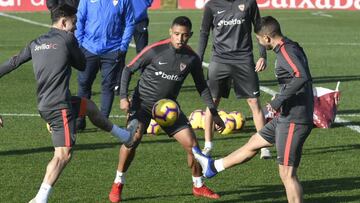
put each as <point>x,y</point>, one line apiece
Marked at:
<point>269,193</point>
<point>94,146</point>
<point>322,189</point>
<point>319,80</point>
<point>331,149</point>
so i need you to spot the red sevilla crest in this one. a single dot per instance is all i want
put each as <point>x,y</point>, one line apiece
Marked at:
<point>241,7</point>
<point>182,66</point>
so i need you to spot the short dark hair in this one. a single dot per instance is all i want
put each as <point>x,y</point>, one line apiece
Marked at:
<point>183,21</point>
<point>268,25</point>
<point>62,11</point>
<point>52,4</point>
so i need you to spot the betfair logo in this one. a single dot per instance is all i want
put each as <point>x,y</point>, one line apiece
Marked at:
<point>45,46</point>
<point>230,22</point>
<point>167,76</point>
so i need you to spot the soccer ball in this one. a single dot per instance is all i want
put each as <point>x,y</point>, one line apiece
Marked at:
<point>229,122</point>
<point>153,128</point>
<point>165,112</point>
<point>239,118</point>
<point>196,119</point>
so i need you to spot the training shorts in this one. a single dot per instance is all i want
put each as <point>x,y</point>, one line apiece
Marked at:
<point>242,76</point>
<point>62,122</point>
<point>289,139</point>
<point>142,111</point>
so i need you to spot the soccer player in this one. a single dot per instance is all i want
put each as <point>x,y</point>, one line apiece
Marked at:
<point>295,103</point>
<point>104,31</point>
<point>232,60</point>
<point>164,66</point>
<point>52,55</point>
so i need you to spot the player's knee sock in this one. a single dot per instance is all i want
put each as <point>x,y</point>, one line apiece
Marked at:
<point>219,165</point>
<point>198,182</point>
<point>208,145</point>
<point>120,177</point>
<point>43,193</point>
<point>120,133</point>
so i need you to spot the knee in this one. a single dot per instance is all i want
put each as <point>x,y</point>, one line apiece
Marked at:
<point>286,175</point>
<point>136,140</point>
<point>254,103</point>
<point>63,158</point>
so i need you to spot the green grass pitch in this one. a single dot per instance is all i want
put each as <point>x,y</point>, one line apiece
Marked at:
<point>329,170</point>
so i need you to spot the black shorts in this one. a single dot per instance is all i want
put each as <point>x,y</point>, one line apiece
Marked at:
<point>289,139</point>
<point>62,122</point>
<point>142,112</point>
<point>243,76</point>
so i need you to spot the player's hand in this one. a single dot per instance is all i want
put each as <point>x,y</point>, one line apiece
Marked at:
<point>125,104</point>
<point>219,123</point>
<point>260,65</point>
<point>270,108</point>
<point>1,122</point>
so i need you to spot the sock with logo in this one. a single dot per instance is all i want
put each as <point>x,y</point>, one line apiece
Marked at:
<point>120,177</point>
<point>43,193</point>
<point>198,182</point>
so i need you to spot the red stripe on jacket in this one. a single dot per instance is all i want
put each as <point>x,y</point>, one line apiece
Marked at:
<point>147,49</point>
<point>291,63</point>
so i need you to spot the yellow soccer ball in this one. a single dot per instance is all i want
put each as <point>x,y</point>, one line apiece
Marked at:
<point>165,112</point>
<point>153,128</point>
<point>229,122</point>
<point>196,119</point>
<point>239,119</point>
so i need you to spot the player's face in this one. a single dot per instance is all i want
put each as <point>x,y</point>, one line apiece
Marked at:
<point>70,24</point>
<point>265,41</point>
<point>179,36</point>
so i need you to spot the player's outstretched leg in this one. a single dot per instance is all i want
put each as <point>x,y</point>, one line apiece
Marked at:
<point>206,162</point>
<point>100,121</point>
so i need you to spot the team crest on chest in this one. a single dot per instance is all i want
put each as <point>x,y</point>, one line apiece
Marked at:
<point>115,2</point>
<point>182,66</point>
<point>241,7</point>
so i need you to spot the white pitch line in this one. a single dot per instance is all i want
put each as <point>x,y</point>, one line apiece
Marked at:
<point>322,13</point>
<point>37,115</point>
<point>24,20</point>
<point>264,89</point>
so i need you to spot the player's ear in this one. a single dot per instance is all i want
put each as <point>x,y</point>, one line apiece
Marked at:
<point>266,38</point>
<point>63,22</point>
<point>170,31</point>
<point>191,34</point>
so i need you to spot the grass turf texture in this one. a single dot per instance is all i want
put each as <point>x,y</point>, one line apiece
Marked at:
<point>329,170</point>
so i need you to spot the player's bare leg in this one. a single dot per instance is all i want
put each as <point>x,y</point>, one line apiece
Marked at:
<point>259,121</point>
<point>126,156</point>
<point>100,121</point>
<point>294,191</point>
<point>240,156</point>
<point>62,156</point>
<point>187,139</point>
<point>209,129</point>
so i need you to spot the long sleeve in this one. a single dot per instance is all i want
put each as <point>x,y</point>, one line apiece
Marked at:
<point>81,20</point>
<point>256,20</point>
<point>294,63</point>
<point>77,58</point>
<point>206,26</point>
<point>139,62</point>
<point>14,62</point>
<point>129,25</point>
<point>201,86</point>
